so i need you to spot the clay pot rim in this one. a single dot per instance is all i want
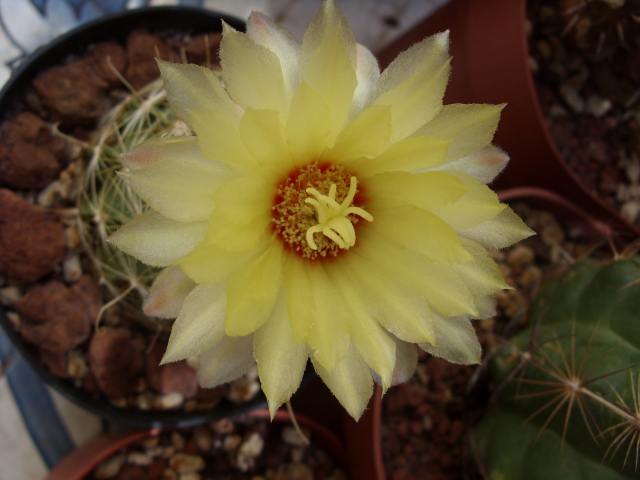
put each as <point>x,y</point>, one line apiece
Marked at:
<point>80,462</point>
<point>116,26</point>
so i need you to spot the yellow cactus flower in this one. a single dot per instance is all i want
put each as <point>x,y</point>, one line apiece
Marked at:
<point>321,210</point>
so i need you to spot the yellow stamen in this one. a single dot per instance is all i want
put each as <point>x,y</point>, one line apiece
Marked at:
<point>332,216</point>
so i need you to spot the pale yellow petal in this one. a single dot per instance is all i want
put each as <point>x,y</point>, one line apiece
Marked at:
<point>209,265</point>
<point>237,237</point>
<point>367,74</point>
<point>414,84</point>
<point>177,190</point>
<point>350,381</point>
<point>252,73</point>
<point>281,361</point>
<point>479,204</point>
<point>228,360</point>
<point>276,38</point>
<point>423,190</point>
<point>219,139</point>
<point>328,336</point>
<point>406,155</point>
<point>300,299</point>
<point>252,290</point>
<point>184,149</point>
<point>374,345</point>
<point>366,136</point>
<point>200,324</point>
<point>244,198</point>
<point>307,134</point>
<point>167,293</point>
<point>501,231</point>
<point>185,85</point>
<point>419,230</point>
<point>484,165</point>
<point>263,136</point>
<point>457,342</point>
<point>328,62</point>
<point>406,362</point>
<point>408,317</point>
<point>482,276</point>
<point>440,285</point>
<point>157,240</point>
<point>469,127</point>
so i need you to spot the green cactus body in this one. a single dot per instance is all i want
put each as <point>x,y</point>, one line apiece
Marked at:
<point>570,407</point>
<point>106,202</point>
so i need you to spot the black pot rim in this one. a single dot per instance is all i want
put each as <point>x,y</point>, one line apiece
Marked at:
<point>117,26</point>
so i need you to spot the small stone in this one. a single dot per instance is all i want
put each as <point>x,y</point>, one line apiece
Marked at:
<point>139,458</point>
<point>300,471</point>
<point>145,401</point>
<point>72,236</point>
<point>10,295</point>
<point>231,442</point>
<point>242,390</point>
<point>171,377</point>
<point>108,59</point>
<point>169,474</point>
<point>71,268</point>
<point>169,401</point>
<point>131,472</point>
<point>190,476</point>
<point>572,98</point>
<point>110,467</point>
<point>142,50</point>
<point>252,446</point>
<point>184,463</point>
<point>598,106</point>
<point>203,438</point>
<point>177,441</point>
<point>223,426</point>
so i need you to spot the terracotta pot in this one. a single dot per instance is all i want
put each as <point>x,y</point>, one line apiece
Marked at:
<point>116,28</point>
<point>363,439</point>
<point>78,464</point>
<point>491,65</point>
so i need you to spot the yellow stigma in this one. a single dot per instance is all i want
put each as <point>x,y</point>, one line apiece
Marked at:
<point>332,216</point>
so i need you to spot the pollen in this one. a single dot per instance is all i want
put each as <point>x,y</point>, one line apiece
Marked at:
<point>316,210</point>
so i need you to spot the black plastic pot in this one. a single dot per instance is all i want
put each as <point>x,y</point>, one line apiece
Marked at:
<point>117,27</point>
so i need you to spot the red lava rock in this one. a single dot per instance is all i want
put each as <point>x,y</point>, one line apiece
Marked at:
<point>197,49</point>
<point>142,49</point>
<point>73,93</point>
<point>56,363</point>
<point>106,56</point>
<point>171,377</point>
<point>115,361</point>
<point>32,241</point>
<point>57,318</point>
<point>30,155</point>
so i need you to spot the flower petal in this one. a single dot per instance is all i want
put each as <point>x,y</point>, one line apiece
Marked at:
<point>350,381</point>
<point>476,206</point>
<point>185,84</point>
<point>209,264</point>
<point>219,138</point>
<point>176,190</point>
<point>252,73</point>
<point>200,323</point>
<point>281,361</point>
<point>482,276</point>
<point>423,190</point>
<point>252,290</point>
<point>300,299</point>
<point>328,61</point>
<point>263,137</point>
<point>483,165</point>
<point>501,231</point>
<point>367,73</point>
<point>457,341</point>
<point>374,345</point>
<point>469,127</point>
<point>229,359</point>
<point>406,155</point>
<point>406,362</point>
<point>419,230</point>
<point>366,136</point>
<point>157,240</point>
<point>167,293</point>
<point>184,149</point>
<point>276,38</point>
<point>307,135</point>
<point>328,336</point>
<point>414,83</point>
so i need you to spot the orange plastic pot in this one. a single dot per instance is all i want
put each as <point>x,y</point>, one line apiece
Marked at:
<point>78,464</point>
<point>491,65</point>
